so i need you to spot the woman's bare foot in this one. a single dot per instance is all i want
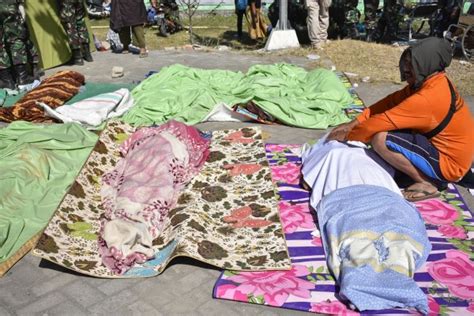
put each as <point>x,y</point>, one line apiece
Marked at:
<point>420,191</point>
<point>143,53</point>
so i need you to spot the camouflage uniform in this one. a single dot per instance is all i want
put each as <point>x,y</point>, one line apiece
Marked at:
<point>13,35</point>
<point>370,12</point>
<point>72,14</point>
<point>387,26</point>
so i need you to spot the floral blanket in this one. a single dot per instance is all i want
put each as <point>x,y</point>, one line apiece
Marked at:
<point>447,278</point>
<point>227,216</point>
<point>143,187</point>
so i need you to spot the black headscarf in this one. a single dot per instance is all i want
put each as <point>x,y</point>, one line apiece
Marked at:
<point>428,56</point>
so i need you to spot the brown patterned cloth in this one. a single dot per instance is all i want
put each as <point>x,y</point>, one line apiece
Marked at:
<point>53,91</point>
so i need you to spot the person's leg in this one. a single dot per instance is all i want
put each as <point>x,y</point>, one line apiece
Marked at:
<point>240,20</point>
<point>81,28</point>
<point>323,19</point>
<point>139,35</point>
<point>15,34</point>
<point>68,20</point>
<point>6,79</point>
<point>313,22</point>
<point>414,156</point>
<point>125,39</point>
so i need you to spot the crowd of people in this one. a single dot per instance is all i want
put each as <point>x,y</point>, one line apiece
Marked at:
<point>325,19</point>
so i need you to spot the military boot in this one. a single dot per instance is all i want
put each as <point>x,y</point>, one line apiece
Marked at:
<point>6,79</point>
<point>86,52</point>
<point>77,57</point>
<point>21,75</point>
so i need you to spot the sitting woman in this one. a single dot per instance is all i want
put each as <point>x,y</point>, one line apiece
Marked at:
<point>424,130</point>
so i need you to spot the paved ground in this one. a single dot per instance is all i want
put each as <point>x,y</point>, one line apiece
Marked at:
<point>38,287</point>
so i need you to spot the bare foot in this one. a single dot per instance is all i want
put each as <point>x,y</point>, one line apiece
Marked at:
<point>420,191</point>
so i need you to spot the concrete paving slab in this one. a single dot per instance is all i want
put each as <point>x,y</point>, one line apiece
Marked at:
<point>39,287</point>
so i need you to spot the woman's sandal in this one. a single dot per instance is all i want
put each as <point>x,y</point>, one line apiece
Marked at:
<point>425,195</point>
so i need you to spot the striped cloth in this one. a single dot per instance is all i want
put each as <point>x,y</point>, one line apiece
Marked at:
<point>53,91</point>
<point>446,278</point>
<point>93,111</point>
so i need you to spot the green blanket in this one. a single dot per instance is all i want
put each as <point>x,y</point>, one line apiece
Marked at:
<point>294,96</point>
<point>38,163</point>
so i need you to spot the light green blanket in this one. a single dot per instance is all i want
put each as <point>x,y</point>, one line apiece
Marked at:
<point>294,96</point>
<point>38,163</point>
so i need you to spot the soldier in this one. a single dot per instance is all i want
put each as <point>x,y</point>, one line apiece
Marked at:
<point>387,26</point>
<point>13,50</point>
<point>447,14</point>
<point>72,14</point>
<point>370,12</point>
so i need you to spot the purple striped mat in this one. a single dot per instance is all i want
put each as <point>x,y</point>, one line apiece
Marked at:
<point>447,278</point>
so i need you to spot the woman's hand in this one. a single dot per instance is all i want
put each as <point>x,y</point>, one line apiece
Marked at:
<point>341,132</point>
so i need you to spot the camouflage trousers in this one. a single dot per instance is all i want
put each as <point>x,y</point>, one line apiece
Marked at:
<point>72,14</point>
<point>387,26</point>
<point>13,37</point>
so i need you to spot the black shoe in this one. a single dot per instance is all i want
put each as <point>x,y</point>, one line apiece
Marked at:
<point>6,79</point>
<point>77,57</point>
<point>21,75</point>
<point>86,53</point>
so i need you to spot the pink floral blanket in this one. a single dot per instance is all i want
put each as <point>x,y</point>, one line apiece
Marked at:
<point>447,278</point>
<point>144,186</point>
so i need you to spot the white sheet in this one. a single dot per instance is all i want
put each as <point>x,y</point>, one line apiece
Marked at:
<point>328,166</point>
<point>93,111</point>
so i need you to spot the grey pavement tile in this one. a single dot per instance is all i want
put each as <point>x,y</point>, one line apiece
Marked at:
<point>217,308</point>
<point>186,303</point>
<point>195,278</point>
<point>82,293</point>
<point>140,308</point>
<point>116,302</point>
<point>112,286</point>
<point>42,304</point>
<point>25,273</point>
<point>3,310</point>
<point>155,292</point>
<point>65,308</point>
<point>16,294</point>
<point>42,287</point>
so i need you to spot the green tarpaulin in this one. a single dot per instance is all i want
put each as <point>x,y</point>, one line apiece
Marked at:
<point>313,99</point>
<point>38,163</point>
<point>47,32</point>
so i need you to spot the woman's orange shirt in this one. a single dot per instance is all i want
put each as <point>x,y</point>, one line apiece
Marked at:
<point>421,111</point>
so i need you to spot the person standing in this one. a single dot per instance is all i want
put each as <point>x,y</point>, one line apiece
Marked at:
<point>13,50</point>
<point>240,7</point>
<point>129,16</point>
<point>318,21</point>
<point>73,17</point>
<point>370,13</point>
<point>387,26</point>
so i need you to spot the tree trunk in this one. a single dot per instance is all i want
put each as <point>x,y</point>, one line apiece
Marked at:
<point>191,40</point>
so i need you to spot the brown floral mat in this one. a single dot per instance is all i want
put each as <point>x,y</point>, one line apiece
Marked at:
<point>227,216</point>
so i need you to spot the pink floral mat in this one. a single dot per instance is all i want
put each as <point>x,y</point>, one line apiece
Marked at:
<point>447,277</point>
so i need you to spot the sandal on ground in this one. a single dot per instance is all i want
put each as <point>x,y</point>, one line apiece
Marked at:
<point>424,195</point>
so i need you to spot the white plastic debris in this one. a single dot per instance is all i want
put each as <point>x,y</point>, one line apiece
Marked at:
<point>117,72</point>
<point>333,68</point>
<point>313,56</point>
<point>355,85</point>
<point>366,79</point>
